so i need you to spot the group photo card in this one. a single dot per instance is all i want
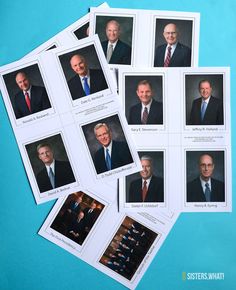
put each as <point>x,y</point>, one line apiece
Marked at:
<point>124,251</point>
<point>68,92</point>
<point>172,39</point>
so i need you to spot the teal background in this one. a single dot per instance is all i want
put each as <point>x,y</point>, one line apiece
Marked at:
<point>199,242</point>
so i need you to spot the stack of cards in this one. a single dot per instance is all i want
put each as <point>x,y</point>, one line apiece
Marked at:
<point>113,118</point>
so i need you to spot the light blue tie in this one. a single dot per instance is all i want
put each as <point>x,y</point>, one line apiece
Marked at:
<point>203,109</point>
<point>207,192</point>
<point>52,177</point>
<point>86,86</point>
<point>108,159</point>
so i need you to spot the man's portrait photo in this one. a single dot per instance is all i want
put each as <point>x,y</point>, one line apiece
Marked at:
<point>148,184</point>
<point>173,43</point>
<point>83,72</point>
<point>116,36</point>
<point>204,99</point>
<point>144,100</point>
<point>27,91</point>
<point>107,144</point>
<point>77,216</point>
<point>205,176</point>
<point>128,247</point>
<point>50,163</point>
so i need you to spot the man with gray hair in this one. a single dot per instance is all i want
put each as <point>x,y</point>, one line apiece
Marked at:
<point>112,154</point>
<point>148,188</point>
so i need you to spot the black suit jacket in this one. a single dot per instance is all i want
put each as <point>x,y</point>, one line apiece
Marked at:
<point>89,218</point>
<point>38,99</point>
<point>97,83</point>
<point>180,58</point>
<point>195,192</point>
<point>121,53</point>
<point>63,176</point>
<point>120,156</point>
<point>155,115</point>
<point>155,191</point>
<point>213,114</point>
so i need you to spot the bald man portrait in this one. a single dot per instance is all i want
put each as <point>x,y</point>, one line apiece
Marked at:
<point>205,188</point>
<point>115,50</point>
<point>172,53</point>
<point>85,81</point>
<point>30,99</point>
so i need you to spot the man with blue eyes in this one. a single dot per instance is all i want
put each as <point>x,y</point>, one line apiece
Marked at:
<point>112,154</point>
<point>205,188</point>
<point>173,53</point>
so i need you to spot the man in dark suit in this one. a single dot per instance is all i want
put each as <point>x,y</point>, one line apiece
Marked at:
<point>205,188</point>
<point>147,111</point>
<point>86,81</point>
<point>115,50</point>
<point>148,188</point>
<point>90,216</point>
<point>206,110</point>
<point>173,53</point>
<point>31,99</point>
<point>72,211</point>
<point>55,173</point>
<point>112,154</point>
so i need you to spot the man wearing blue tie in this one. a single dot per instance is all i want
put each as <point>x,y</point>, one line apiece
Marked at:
<point>112,154</point>
<point>85,81</point>
<point>205,188</point>
<point>206,110</point>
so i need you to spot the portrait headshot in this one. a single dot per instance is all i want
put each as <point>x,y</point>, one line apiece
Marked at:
<point>148,184</point>
<point>144,100</point>
<point>128,248</point>
<point>173,43</point>
<point>107,144</point>
<point>77,216</point>
<point>27,91</point>
<point>50,163</point>
<point>204,99</point>
<point>82,31</point>
<point>83,72</point>
<point>116,35</point>
<point>205,176</point>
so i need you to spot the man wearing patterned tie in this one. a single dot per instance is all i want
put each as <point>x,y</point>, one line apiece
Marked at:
<point>206,110</point>
<point>115,50</point>
<point>31,99</point>
<point>112,154</point>
<point>55,173</point>
<point>173,53</point>
<point>148,188</point>
<point>205,188</point>
<point>85,81</point>
<point>148,111</point>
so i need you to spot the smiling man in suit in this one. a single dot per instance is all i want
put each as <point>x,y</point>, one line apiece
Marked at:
<point>173,53</point>
<point>55,173</point>
<point>31,99</point>
<point>205,188</point>
<point>115,50</point>
<point>206,110</point>
<point>86,81</point>
<point>112,154</point>
<point>148,188</point>
<point>148,111</point>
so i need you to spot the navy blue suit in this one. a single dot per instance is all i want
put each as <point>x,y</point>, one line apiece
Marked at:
<point>213,114</point>
<point>63,176</point>
<point>97,83</point>
<point>155,115</point>
<point>38,100</point>
<point>195,191</point>
<point>121,53</point>
<point>180,58</point>
<point>120,156</point>
<point>155,191</point>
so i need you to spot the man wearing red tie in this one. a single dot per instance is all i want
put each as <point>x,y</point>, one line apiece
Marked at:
<point>31,99</point>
